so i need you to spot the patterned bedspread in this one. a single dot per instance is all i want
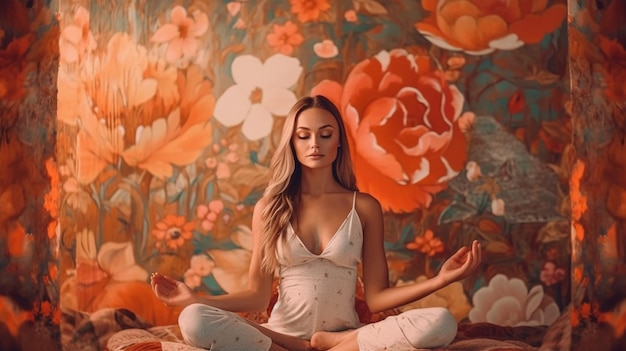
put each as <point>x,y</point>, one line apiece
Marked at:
<point>122,330</point>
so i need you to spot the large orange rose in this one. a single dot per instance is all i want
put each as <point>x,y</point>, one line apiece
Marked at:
<point>482,26</point>
<point>402,120</point>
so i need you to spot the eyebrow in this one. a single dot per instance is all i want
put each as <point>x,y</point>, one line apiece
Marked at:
<point>322,127</point>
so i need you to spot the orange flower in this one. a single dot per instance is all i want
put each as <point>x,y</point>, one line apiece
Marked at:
<point>52,229</point>
<point>578,200</point>
<point>404,121</point>
<point>51,199</point>
<point>482,26</point>
<point>309,10</point>
<point>427,244</point>
<point>115,88</point>
<point>578,274</point>
<point>167,94</point>
<point>284,38</point>
<point>166,142</point>
<point>173,231</point>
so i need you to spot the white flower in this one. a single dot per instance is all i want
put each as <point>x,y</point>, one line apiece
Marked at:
<point>231,268</point>
<point>260,91</point>
<point>118,261</point>
<point>508,302</point>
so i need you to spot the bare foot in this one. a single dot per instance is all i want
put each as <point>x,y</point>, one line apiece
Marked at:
<point>325,340</point>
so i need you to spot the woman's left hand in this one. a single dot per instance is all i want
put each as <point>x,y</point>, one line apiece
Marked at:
<point>462,263</point>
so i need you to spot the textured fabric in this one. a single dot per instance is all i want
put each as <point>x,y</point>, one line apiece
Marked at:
<point>146,340</point>
<point>107,326</point>
<point>317,292</point>
<point>420,328</point>
<point>214,329</point>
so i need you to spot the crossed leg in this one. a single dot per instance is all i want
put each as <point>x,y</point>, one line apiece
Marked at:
<point>283,342</point>
<point>335,341</point>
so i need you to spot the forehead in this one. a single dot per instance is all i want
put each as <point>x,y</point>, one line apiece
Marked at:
<point>314,118</point>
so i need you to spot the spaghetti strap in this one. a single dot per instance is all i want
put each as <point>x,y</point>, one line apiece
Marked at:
<point>354,199</point>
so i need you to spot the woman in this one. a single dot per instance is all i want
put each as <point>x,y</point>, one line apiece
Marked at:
<point>316,260</point>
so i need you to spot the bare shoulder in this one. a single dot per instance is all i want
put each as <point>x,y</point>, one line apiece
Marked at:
<point>367,205</point>
<point>260,205</point>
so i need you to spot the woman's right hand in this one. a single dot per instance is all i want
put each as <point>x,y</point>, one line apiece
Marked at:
<point>170,291</point>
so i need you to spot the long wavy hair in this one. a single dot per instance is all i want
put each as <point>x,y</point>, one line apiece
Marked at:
<point>284,188</point>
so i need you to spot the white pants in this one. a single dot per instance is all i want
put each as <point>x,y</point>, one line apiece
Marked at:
<point>422,328</point>
<point>214,329</point>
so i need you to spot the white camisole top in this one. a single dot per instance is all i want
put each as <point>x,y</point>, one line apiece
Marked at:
<point>317,292</point>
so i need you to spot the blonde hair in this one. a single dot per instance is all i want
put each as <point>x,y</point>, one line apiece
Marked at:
<point>283,191</point>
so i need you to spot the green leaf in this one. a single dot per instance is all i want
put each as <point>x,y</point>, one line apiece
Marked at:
<point>457,211</point>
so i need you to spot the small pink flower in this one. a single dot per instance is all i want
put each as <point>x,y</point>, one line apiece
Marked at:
<point>473,171</point>
<point>466,121</point>
<point>208,225</point>
<point>223,171</point>
<point>240,24</point>
<point>202,211</point>
<point>326,49</point>
<point>233,7</point>
<point>232,157</point>
<point>77,40</point>
<point>550,274</point>
<point>350,16</point>
<point>208,213</point>
<point>216,206</point>
<point>211,162</point>
<point>456,62</point>
<point>182,33</point>
<point>192,279</point>
<point>202,265</point>
<point>497,207</point>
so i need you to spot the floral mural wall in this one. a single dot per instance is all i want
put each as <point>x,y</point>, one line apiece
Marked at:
<point>169,112</point>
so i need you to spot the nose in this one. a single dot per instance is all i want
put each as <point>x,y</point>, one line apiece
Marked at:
<point>315,143</point>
